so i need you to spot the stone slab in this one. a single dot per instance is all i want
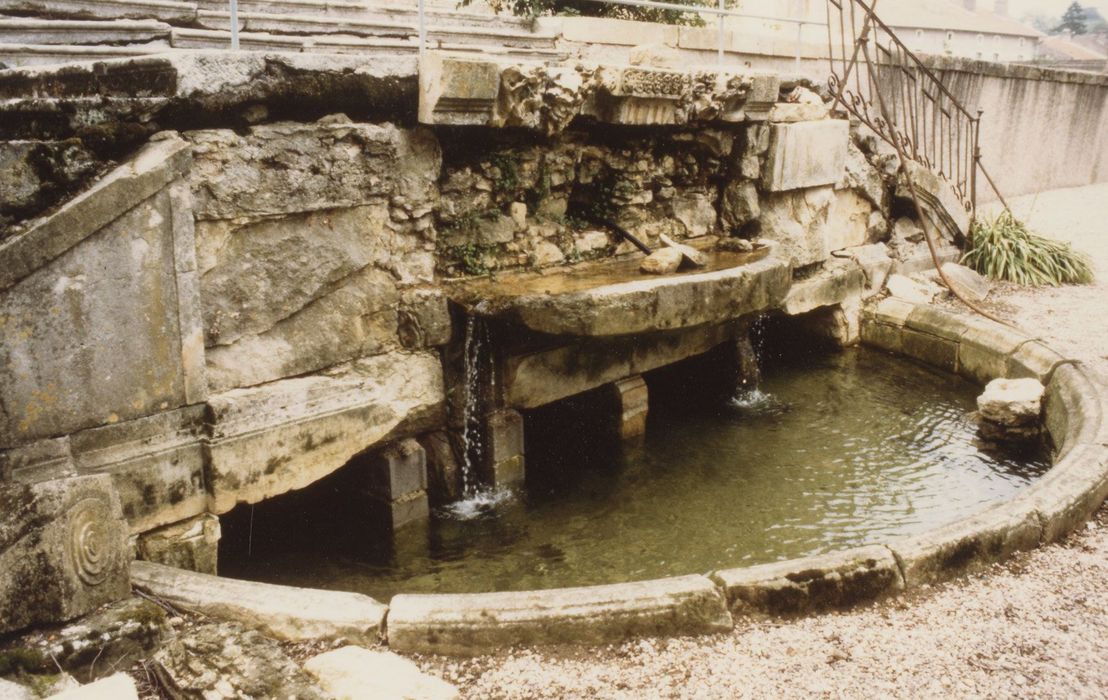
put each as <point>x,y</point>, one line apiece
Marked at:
<point>468,624</point>
<point>655,304</point>
<point>284,435</point>
<point>835,284</point>
<point>984,348</point>
<point>156,463</point>
<point>353,673</point>
<point>836,580</point>
<point>284,612</point>
<point>539,378</point>
<point>1074,407</point>
<point>154,167</point>
<point>1070,493</point>
<point>806,154</point>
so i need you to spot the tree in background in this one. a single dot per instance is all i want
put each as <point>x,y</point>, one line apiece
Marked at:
<point>590,8</point>
<point>1073,20</point>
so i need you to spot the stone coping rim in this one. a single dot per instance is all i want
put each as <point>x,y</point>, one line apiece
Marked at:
<point>1074,487</point>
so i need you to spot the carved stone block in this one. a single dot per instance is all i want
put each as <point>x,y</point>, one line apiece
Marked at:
<point>63,550</point>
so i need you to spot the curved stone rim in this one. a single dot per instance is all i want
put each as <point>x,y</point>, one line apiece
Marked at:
<point>1045,511</point>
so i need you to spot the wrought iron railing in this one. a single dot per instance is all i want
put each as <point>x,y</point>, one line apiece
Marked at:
<point>876,78</point>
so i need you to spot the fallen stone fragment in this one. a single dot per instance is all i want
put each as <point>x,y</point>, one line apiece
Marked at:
<point>662,261</point>
<point>286,612</point>
<point>115,687</point>
<point>911,290</point>
<point>966,282</point>
<point>736,245</point>
<point>1011,408</point>
<point>226,660</point>
<point>695,257</point>
<point>352,672</point>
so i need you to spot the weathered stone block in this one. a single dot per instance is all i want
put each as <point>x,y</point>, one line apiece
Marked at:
<point>35,174</point>
<point>63,550</point>
<point>156,464</point>
<point>969,544</point>
<point>930,349</point>
<point>398,470</point>
<point>806,154</point>
<point>1034,359</point>
<point>407,510</point>
<point>330,164</point>
<point>848,220</point>
<point>192,545</point>
<point>835,284</point>
<point>539,378</point>
<point>444,477</point>
<point>798,222</point>
<point>826,582</point>
<point>633,399</point>
<point>353,672</point>
<point>1074,408</point>
<point>504,448</point>
<point>457,91</point>
<point>283,612</point>
<point>37,461</point>
<point>424,318</point>
<point>938,199</point>
<point>468,624</point>
<point>739,204</point>
<point>287,434</point>
<point>61,366</point>
<point>984,348</point>
<point>1069,494</point>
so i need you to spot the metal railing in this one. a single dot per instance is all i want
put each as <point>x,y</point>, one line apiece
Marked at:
<point>876,78</point>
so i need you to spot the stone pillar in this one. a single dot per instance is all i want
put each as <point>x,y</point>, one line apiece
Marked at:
<point>634,404</point>
<point>398,479</point>
<point>504,455</point>
<point>192,544</point>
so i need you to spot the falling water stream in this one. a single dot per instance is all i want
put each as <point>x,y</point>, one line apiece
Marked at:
<point>476,367</point>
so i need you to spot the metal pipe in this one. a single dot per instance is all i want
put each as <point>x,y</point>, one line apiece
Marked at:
<point>719,36</point>
<point>422,28</point>
<point>655,5</point>
<point>234,25</point>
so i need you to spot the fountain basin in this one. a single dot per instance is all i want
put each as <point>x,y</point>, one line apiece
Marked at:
<point>1042,512</point>
<point>612,298</point>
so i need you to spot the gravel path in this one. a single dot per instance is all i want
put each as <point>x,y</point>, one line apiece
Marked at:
<point>1036,626</point>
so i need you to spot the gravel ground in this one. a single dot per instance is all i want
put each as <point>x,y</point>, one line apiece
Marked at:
<point>1032,627</point>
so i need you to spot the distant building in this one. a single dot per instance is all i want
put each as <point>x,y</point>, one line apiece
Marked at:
<point>942,27</point>
<point>1063,51</point>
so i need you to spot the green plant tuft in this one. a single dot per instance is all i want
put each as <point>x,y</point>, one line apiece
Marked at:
<point>1003,248</point>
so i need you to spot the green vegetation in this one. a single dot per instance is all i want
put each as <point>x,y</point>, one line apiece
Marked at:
<point>472,257</point>
<point>1073,20</point>
<point>591,8</point>
<point>1003,248</point>
<point>23,660</point>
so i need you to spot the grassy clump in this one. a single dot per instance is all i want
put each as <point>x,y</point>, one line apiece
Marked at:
<point>1003,248</point>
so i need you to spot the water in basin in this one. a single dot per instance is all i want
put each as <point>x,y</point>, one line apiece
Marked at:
<point>840,450</point>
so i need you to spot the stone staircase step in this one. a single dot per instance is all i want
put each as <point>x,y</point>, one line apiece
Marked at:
<point>169,11</point>
<point>80,32</point>
<point>321,24</point>
<point>248,41</point>
<point>19,55</point>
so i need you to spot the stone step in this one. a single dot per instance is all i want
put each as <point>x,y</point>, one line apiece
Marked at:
<point>165,10</point>
<point>20,55</point>
<point>322,24</point>
<point>80,32</point>
<point>377,10</point>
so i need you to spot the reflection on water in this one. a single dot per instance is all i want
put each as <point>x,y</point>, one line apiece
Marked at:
<point>838,451</point>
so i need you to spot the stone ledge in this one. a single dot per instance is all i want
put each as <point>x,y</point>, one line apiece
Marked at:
<point>967,544</point>
<point>473,623</point>
<point>284,435</point>
<point>155,166</point>
<point>640,305</point>
<point>285,612</point>
<point>825,582</point>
